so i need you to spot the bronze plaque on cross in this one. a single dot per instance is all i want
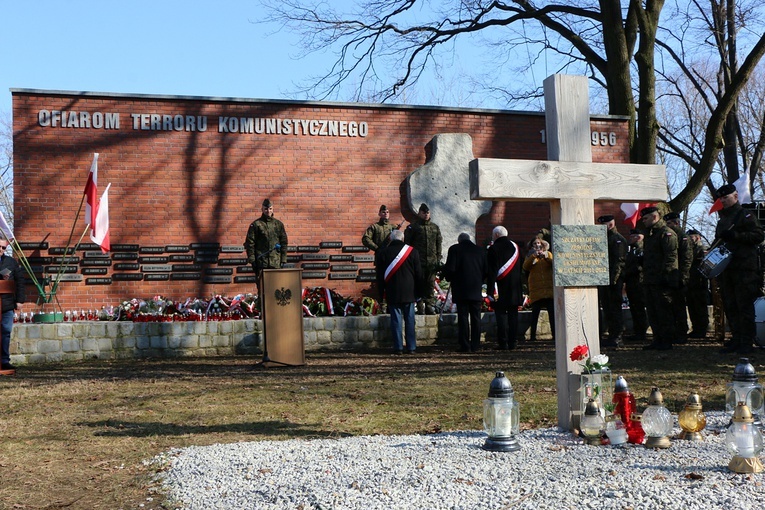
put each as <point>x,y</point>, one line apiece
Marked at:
<point>580,255</point>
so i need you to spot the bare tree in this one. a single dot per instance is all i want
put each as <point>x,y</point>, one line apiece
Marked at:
<point>6,166</point>
<point>385,46</point>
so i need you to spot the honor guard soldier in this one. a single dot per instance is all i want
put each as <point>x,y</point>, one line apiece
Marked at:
<point>266,242</point>
<point>697,297</point>
<point>376,235</point>
<point>425,237</point>
<point>610,296</point>
<point>633,285</point>
<point>740,281</point>
<point>684,262</point>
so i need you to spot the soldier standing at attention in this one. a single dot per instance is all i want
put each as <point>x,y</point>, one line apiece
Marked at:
<point>660,277</point>
<point>633,285</point>
<point>376,235</point>
<point>697,297</point>
<point>684,261</point>
<point>425,237</point>
<point>266,242</point>
<point>740,282</point>
<point>610,296</point>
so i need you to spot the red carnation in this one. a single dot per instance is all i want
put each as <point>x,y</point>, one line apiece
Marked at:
<point>579,353</point>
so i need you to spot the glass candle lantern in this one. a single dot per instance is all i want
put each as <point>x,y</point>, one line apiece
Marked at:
<point>626,407</point>
<point>745,388</point>
<point>657,421</point>
<point>616,430</point>
<point>692,419</point>
<point>501,416</point>
<point>744,441</point>
<point>592,423</point>
<point>596,385</point>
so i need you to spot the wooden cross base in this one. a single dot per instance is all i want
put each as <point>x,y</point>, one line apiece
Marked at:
<point>7,372</point>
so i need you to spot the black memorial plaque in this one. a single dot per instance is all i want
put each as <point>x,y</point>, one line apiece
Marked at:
<point>314,275</point>
<point>40,260</point>
<point>152,260</point>
<point>315,265</point>
<point>363,258</point>
<point>245,269</point>
<point>156,277</point>
<point>126,266</point>
<point>245,279</point>
<point>344,267</point>
<point>151,249</point>
<point>330,244</point>
<point>71,278</point>
<point>366,278</point>
<point>207,253</point>
<point>98,281</point>
<point>367,271</point>
<point>156,268</point>
<point>177,248</point>
<point>342,276</point>
<point>232,262</point>
<point>294,258</point>
<point>216,279</point>
<point>62,269</point>
<point>206,259</point>
<point>88,247</point>
<point>291,249</point>
<point>219,270</point>
<point>94,270</point>
<point>180,258</point>
<point>127,255</point>
<point>60,251</point>
<point>66,260</point>
<point>232,248</point>
<point>185,276</point>
<point>355,249</point>
<point>308,249</point>
<point>341,258</point>
<point>289,266</point>
<point>34,246</point>
<point>95,255</point>
<point>96,262</point>
<point>186,267</point>
<point>124,247</point>
<point>315,256</point>
<point>205,246</point>
<point>125,277</point>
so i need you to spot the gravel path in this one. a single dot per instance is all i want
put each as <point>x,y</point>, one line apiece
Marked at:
<point>553,470</point>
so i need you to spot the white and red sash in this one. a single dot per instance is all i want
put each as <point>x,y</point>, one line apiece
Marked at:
<point>396,263</point>
<point>509,265</point>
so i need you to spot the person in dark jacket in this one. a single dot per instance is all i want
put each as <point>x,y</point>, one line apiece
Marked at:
<point>466,268</point>
<point>425,237</point>
<point>505,274</point>
<point>684,262</point>
<point>740,281</point>
<point>660,277</point>
<point>266,241</point>
<point>610,296</point>
<point>698,289</point>
<point>633,285</point>
<point>398,271</point>
<point>15,295</point>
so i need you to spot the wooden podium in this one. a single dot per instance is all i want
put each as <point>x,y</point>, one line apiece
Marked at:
<point>282,308</point>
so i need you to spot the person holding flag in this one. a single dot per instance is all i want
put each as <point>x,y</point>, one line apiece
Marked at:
<point>504,274</point>
<point>398,271</point>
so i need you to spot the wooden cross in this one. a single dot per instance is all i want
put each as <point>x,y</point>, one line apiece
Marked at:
<point>571,182</point>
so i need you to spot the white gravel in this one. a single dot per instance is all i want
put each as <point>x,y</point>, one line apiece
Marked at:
<point>553,470</point>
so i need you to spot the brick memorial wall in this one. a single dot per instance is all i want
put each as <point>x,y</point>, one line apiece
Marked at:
<point>188,175</point>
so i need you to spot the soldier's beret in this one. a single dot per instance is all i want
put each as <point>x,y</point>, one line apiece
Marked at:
<point>725,189</point>
<point>267,203</point>
<point>671,216</point>
<point>424,207</point>
<point>648,210</point>
<point>605,218</point>
<point>383,208</point>
<point>693,232</point>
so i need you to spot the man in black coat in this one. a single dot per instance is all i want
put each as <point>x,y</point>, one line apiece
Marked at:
<point>740,281</point>
<point>398,271</point>
<point>15,295</point>
<point>466,268</point>
<point>505,272</point>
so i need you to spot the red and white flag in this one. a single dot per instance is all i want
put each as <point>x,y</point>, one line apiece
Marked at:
<point>742,187</point>
<point>632,213</point>
<point>99,232</point>
<point>91,194</point>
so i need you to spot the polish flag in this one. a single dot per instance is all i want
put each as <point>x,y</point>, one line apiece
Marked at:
<point>632,213</point>
<point>742,187</point>
<point>100,234</point>
<point>91,194</point>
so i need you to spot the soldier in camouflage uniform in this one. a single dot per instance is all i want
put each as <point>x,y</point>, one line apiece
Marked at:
<point>684,262</point>
<point>740,282</point>
<point>697,297</point>
<point>263,236</point>
<point>660,277</point>
<point>376,235</point>
<point>425,236</point>
<point>610,296</point>
<point>633,284</point>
